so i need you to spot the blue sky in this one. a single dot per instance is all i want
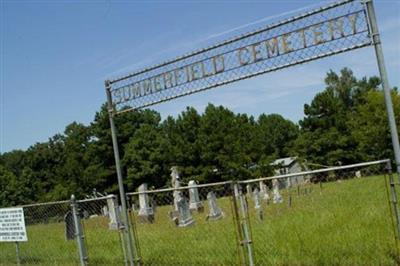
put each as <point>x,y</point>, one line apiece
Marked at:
<point>55,56</point>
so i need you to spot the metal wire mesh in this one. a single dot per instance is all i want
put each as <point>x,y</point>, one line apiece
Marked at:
<point>183,227</point>
<point>101,223</point>
<point>47,242</point>
<point>334,217</point>
<point>329,30</point>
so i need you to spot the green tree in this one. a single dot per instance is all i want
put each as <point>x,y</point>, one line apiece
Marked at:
<point>276,135</point>
<point>220,148</point>
<point>370,126</point>
<point>145,158</point>
<point>326,137</point>
<point>100,149</point>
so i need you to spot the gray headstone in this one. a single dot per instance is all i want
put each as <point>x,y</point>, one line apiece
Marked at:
<point>194,200</point>
<point>146,212</point>
<point>185,216</point>
<point>215,212</point>
<point>69,226</point>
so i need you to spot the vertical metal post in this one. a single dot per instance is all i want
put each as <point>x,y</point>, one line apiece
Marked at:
<point>374,32</point>
<point>289,191</point>
<point>130,246</point>
<point>17,253</point>
<point>393,199</point>
<point>237,223</point>
<point>245,225</point>
<point>79,233</point>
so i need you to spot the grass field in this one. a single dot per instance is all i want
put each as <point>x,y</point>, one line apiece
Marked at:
<point>347,223</point>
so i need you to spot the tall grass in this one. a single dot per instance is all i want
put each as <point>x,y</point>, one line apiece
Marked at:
<point>345,223</point>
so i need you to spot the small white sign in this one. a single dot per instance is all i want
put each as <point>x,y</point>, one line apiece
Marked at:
<point>12,225</point>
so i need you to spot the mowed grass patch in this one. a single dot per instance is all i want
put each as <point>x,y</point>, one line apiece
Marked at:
<point>345,223</point>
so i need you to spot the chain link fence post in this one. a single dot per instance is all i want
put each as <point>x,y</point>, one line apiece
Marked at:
<point>393,200</point>
<point>239,233</point>
<point>79,232</point>
<point>244,224</point>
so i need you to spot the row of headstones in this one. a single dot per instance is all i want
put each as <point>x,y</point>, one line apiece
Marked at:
<point>264,194</point>
<point>182,212</point>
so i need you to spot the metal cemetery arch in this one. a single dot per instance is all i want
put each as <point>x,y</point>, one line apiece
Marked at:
<point>329,30</point>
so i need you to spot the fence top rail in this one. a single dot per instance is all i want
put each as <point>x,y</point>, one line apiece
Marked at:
<point>180,188</point>
<point>43,204</point>
<point>111,196</point>
<point>233,39</point>
<point>334,168</point>
<point>61,202</point>
<point>328,169</point>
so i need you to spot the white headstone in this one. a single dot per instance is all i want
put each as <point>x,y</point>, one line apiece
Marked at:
<point>277,198</point>
<point>104,210</point>
<point>264,192</point>
<point>215,212</point>
<point>257,204</point>
<point>194,200</point>
<point>112,210</point>
<point>248,190</point>
<point>256,198</point>
<point>146,212</point>
<point>236,190</point>
<point>358,174</point>
<point>175,182</point>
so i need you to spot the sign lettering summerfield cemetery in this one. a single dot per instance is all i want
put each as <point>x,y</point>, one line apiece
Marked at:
<point>329,30</point>
<point>12,225</point>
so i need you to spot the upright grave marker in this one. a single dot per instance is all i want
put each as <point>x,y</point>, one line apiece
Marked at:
<point>215,212</point>
<point>194,199</point>
<point>184,215</point>
<point>146,212</point>
<point>257,204</point>
<point>276,198</point>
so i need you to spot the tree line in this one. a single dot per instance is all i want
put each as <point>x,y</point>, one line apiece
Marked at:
<point>345,123</point>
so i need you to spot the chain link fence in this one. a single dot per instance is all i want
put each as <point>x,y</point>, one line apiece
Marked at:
<point>335,216</point>
<point>52,234</point>
<point>47,237</point>
<point>101,225</point>
<point>193,225</point>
